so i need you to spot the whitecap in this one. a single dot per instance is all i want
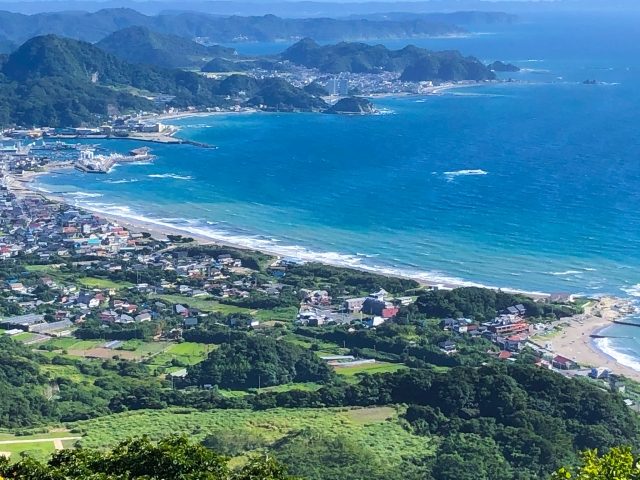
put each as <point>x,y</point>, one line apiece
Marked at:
<point>633,290</point>
<point>462,173</point>
<point>124,180</point>
<point>566,272</point>
<point>170,175</point>
<point>84,194</point>
<point>625,357</point>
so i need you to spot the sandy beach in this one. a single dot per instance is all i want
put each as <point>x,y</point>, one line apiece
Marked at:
<point>575,341</point>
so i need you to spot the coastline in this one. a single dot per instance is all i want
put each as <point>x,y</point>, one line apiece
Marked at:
<point>576,338</point>
<point>23,186</point>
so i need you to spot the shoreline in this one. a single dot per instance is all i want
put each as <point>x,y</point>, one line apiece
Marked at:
<point>23,186</point>
<point>576,338</point>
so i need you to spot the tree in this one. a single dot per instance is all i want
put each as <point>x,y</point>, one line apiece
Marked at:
<point>170,458</point>
<point>617,464</point>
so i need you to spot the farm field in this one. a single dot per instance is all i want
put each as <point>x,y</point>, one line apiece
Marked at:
<point>378,367</point>
<point>378,427</point>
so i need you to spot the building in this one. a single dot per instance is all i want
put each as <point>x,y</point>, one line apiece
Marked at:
<point>563,363</point>
<point>24,322</point>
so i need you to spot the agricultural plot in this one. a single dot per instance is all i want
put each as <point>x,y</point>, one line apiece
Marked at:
<point>378,428</point>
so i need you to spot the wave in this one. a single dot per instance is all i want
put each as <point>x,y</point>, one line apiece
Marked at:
<point>566,272</point>
<point>84,194</point>
<point>296,253</point>
<point>124,180</point>
<point>462,173</point>
<point>633,290</point>
<point>624,357</point>
<point>170,175</point>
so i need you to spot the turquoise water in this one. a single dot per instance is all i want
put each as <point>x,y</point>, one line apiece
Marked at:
<point>532,186</point>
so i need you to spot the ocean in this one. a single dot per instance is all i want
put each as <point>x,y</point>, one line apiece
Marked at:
<point>532,185</point>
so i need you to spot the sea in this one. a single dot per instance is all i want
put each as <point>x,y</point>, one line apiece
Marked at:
<point>532,185</point>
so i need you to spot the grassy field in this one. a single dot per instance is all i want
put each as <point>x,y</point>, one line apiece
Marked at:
<point>188,353</point>
<point>376,428</point>
<point>39,446</point>
<point>378,367</point>
<point>103,283</point>
<point>204,304</point>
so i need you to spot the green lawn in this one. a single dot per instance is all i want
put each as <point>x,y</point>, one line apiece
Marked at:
<point>103,283</point>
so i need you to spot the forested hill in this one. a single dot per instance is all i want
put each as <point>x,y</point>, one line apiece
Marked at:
<point>141,45</point>
<point>220,29</point>
<point>57,81</point>
<point>416,64</point>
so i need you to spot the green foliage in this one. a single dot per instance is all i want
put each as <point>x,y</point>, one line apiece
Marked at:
<point>62,82</point>
<point>481,304</point>
<point>254,361</point>
<point>314,455</point>
<point>619,463</point>
<point>22,387</point>
<point>417,64</point>
<point>138,44</point>
<point>170,458</point>
<point>344,280</point>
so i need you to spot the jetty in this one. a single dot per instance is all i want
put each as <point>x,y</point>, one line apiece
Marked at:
<point>88,162</point>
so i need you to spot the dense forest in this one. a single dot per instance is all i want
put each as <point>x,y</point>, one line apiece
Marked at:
<point>253,361</point>
<point>140,45</point>
<point>62,82</point>
<point>415,64</point>
<point>483,304</point>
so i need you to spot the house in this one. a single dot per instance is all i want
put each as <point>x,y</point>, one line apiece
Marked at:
<point>374,306</point>
<point>448,347</point>
<point>563,363</point>
<point>181,310</point>
<point>353,305</point>
<point>190,322</point>
<point>143,317</point>
<point>504,355</point>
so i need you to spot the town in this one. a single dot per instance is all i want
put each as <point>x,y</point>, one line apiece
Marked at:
<point>76,280</point>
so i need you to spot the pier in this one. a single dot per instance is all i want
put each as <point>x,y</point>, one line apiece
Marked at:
<point>622,322</point>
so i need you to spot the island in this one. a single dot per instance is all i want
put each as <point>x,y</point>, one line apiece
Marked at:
<point>352,106</point>
<point>499,66</point>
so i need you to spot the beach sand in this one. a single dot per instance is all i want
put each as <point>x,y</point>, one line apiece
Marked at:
<point>575,341</point>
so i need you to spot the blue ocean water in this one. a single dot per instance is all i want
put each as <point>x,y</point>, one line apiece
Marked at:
<point>532,185</point>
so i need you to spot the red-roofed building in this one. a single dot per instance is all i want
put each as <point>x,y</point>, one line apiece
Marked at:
<point>563,363</point>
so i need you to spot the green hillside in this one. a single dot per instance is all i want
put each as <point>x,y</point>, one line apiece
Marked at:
<point>141,45</point>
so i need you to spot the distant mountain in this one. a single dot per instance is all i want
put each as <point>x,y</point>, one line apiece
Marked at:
<point>62,82</point>
<point>211,28</point>
<point>454,18</point>
<point>415,64</point>
<point>141,45</point>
